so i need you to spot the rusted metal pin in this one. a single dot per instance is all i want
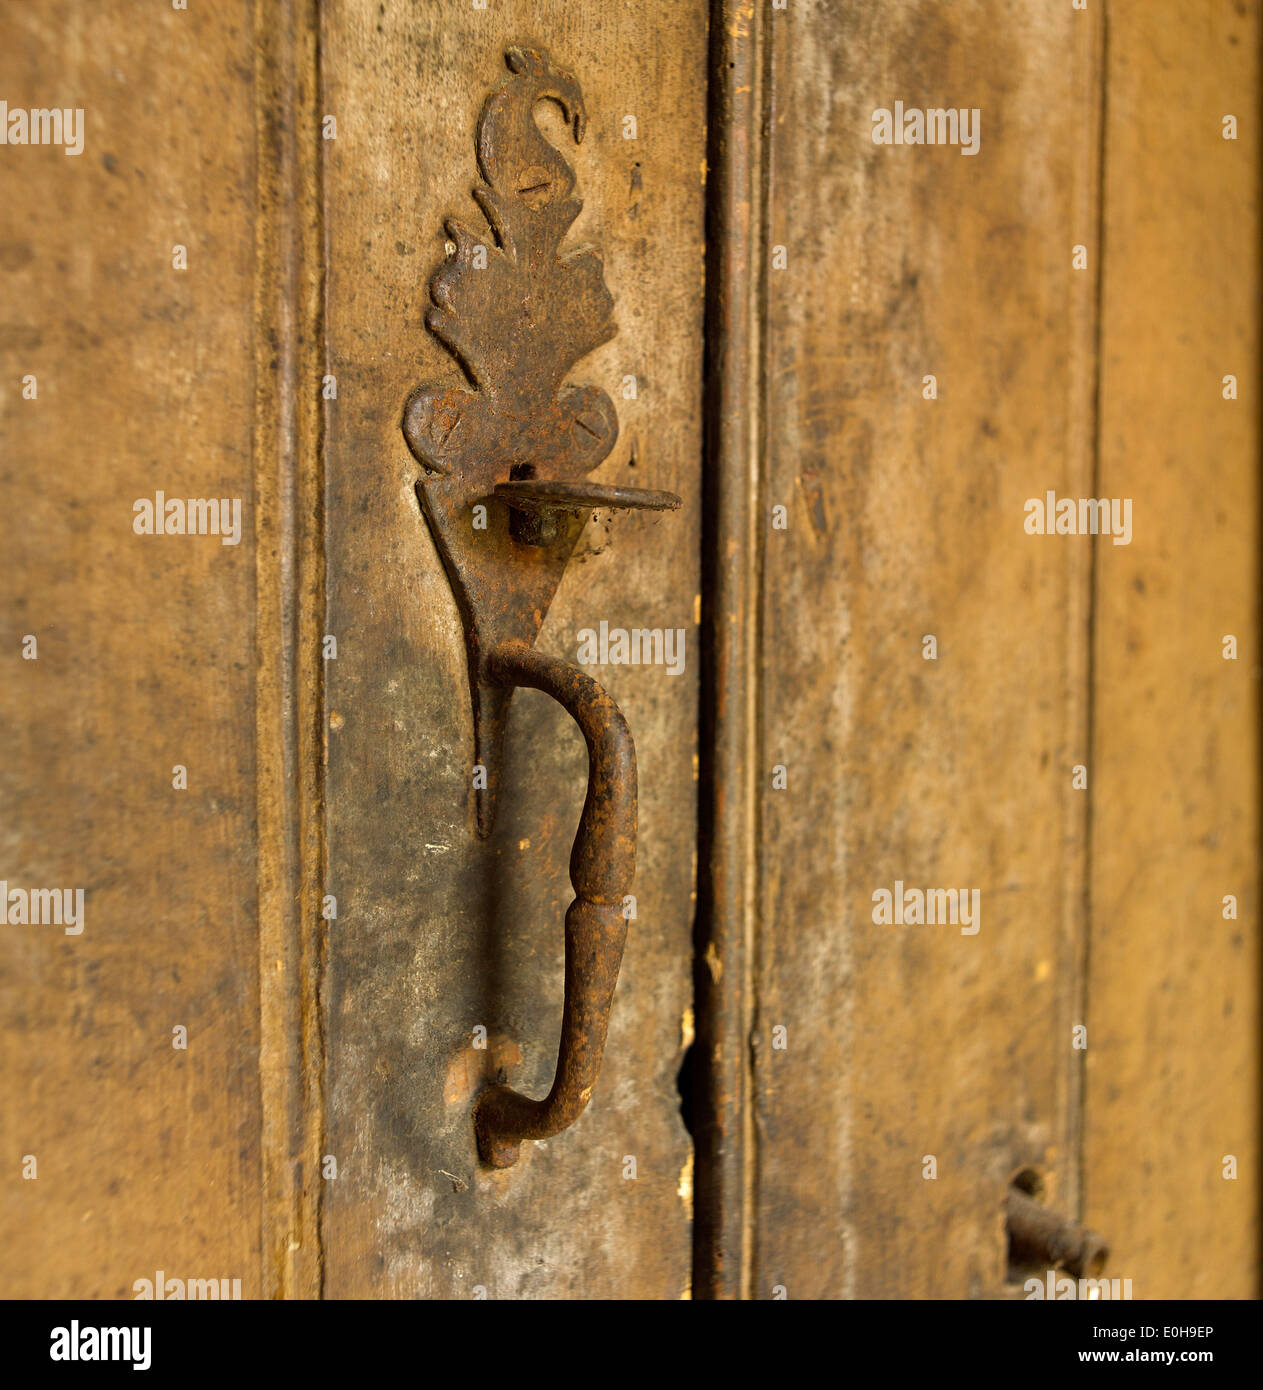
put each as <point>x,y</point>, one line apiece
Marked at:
<point>1040,1236</point>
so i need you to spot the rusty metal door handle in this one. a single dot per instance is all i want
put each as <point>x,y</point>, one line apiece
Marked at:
<point>505,495</point>
<point>602,864</point>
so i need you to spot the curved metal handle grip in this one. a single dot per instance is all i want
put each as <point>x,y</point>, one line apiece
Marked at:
<point>602,864</point>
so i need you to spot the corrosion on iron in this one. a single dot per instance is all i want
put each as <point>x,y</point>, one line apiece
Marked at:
<point>602,864</point>
<point>518,312</point>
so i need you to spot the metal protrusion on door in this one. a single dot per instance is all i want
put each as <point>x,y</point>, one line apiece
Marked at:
<point>545,496</point>
<point>1040,1236</point>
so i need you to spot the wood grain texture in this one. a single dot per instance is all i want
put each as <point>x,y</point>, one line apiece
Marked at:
<point>436,932</point>
<point>310,257</point>
<point>1173,998</point>
<point>148,1157</point>
<point>905,518</point>
<point>289,639</point>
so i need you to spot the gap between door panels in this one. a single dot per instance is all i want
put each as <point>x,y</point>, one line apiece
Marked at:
<point>726,937</point>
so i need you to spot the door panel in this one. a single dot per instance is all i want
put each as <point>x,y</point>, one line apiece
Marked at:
<point>147,1156</point>
<point>436,932</point>
<point>912,1045</point>
<point>1077,748</point>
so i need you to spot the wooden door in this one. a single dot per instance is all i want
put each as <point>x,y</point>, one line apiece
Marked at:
<point>934,697</point>
<point>857,363</point>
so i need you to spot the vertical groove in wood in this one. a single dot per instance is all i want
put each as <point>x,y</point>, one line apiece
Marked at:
<point>729,753</point>
<point>758,761</point>
<point>1080,933</point>
<point>289,674</point>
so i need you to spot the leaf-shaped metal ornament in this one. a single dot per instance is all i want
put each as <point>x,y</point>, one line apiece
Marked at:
<point>514,309</point>
<point>517,312</point>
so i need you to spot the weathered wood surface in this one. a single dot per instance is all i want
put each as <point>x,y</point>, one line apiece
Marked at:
<point>1102,906</point>
<point>905,519</point>
<point>148,1157</point>
<point>1173,996</point>
<point>437,933</point>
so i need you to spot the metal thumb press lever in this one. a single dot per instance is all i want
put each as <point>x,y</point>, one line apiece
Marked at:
<point>511,451</point>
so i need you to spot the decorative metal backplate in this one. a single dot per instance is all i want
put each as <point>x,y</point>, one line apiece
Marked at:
<point>517,312</point>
